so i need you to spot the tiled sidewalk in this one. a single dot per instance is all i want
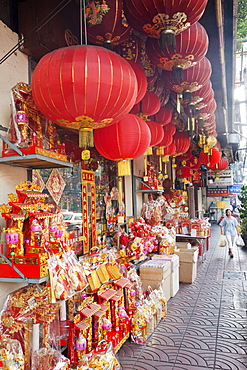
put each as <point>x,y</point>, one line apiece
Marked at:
<point>206,323</point>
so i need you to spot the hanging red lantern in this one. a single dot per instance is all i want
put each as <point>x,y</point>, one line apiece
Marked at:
<point>84,87</point>
<point>166,141</point>
<point>132,49</point>
<point>163,116</point>
<point>170,149</point>
<point>221,165</point>
<point>149,105</point>
<point>185,157</point>
<point>182,142</point>
<point>197,96</point>
<point>207,111</point>
<point>193,78</point>
<point>191,47</point>
<point>141,81</point>
<point>127,139</point>
<point>211,158</point>
<point>105,23</point>
<point>163,19</point>
<point>157,132</point>
<point>170,128</point>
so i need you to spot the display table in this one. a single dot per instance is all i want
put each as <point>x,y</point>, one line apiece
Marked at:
<point>204,239</point>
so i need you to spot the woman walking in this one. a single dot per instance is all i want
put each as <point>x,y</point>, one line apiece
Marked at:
<point>228,226</point>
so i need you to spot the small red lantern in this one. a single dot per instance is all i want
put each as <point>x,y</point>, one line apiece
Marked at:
<point>210,159</point>
<point>149,105</point>
<point>193,78</point>
<point>221,165</point>
<point>141,80</point>
<point>182,142</point>
<point>185,157</point>
<point>163,116</point>
<point>194,163</point>
<point>84,87</point>
<point>105,23</point>
<point>170,149</point>
<point>207,111</point>
<point>166,141</point>
<point>132,49</point>
<point>184,172</point>
<point>191,47</point>
<point>199,95</point>
<point>127,139</point>
<point>170,128</point>
<point>157,132</point>
<point>165,19</point>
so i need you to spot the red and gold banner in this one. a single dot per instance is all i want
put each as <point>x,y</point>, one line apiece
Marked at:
<point>88,210</point>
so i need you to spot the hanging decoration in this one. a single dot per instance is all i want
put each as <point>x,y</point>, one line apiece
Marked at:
<point>55,185</point>
<point>148,106</point>
<point>221,165</point>
<point>170,128</point>
<point>210,159</point>
<point>163,116</point>
<point>163,19</point>
<point>157,132</point>
<point>106,25</point>
<point>182,142</point>
<point>191,47</point>
<point>127,139</point>
<point>141,81</point>
<point>84,88</point>
<point>132,49</point>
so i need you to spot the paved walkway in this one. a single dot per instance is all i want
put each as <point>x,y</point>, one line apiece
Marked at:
<point>206,322</point>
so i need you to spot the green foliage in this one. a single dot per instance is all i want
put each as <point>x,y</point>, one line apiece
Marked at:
<point>243,209</point>
<point>242,21</point>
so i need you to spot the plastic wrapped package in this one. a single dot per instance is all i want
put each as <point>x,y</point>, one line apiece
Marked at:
<point>49,359</point>
<point>11,354</point>
<point>60,284</point>
<point>151,212</point>
<point>74,270</point>
<point>136,283</point>
<point>103,358</point>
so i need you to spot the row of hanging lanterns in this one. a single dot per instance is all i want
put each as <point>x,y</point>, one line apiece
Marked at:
<point>90,88</point>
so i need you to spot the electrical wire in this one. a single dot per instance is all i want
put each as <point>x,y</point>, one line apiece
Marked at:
<point>40,25</point>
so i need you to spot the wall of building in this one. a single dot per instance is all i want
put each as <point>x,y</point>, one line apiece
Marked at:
<point>12,71</point>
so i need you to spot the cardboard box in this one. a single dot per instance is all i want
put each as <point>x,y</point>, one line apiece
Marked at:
<point>154,284</point>
<point>155,270</point>
<point>187,264</point>
<point>187,272</point>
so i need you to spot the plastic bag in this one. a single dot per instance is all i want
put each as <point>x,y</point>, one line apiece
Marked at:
<point>239,241</point>
<point>222,241</point>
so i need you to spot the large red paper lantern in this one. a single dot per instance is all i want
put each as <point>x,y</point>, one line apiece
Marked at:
<point>193,78</point>
<point>210,159</point>
<point>191,47</point>
<point>155,18</point>
<point>84,87</point>
<point>170,149</point>
<point>105,25</point>
<point>197,96</point>
<point>141,81</point>
<point>157,132</point>
<point>127,139</point>
<point>182,142</point>
<point>149,105</point>
<point>208,111</point>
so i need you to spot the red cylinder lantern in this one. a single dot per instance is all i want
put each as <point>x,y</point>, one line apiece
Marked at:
<point>84,87</point>
<point>210,159</point>
<point>148,106</point>
<point>182,142</point>
<point>184,172</point>
<point>155,18</point>
<point>127,139</point>
<point>191,47</point>
<point>157,132</point>
<point>170,128</point>
<point>105,23</point>
<point>141,81</point>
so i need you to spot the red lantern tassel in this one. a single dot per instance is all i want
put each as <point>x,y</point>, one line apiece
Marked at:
<point>86,138</point>
<point>167,38</point>
<point>124,168</point>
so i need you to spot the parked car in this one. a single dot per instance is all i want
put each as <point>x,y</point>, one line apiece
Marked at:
<point>73,221</point>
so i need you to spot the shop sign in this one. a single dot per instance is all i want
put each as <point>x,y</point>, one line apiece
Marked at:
<point>217,192</point>
<point>235,189</point>
<point>225,179</point>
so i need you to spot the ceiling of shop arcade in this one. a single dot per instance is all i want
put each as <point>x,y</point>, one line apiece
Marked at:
<point>219,20</point>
